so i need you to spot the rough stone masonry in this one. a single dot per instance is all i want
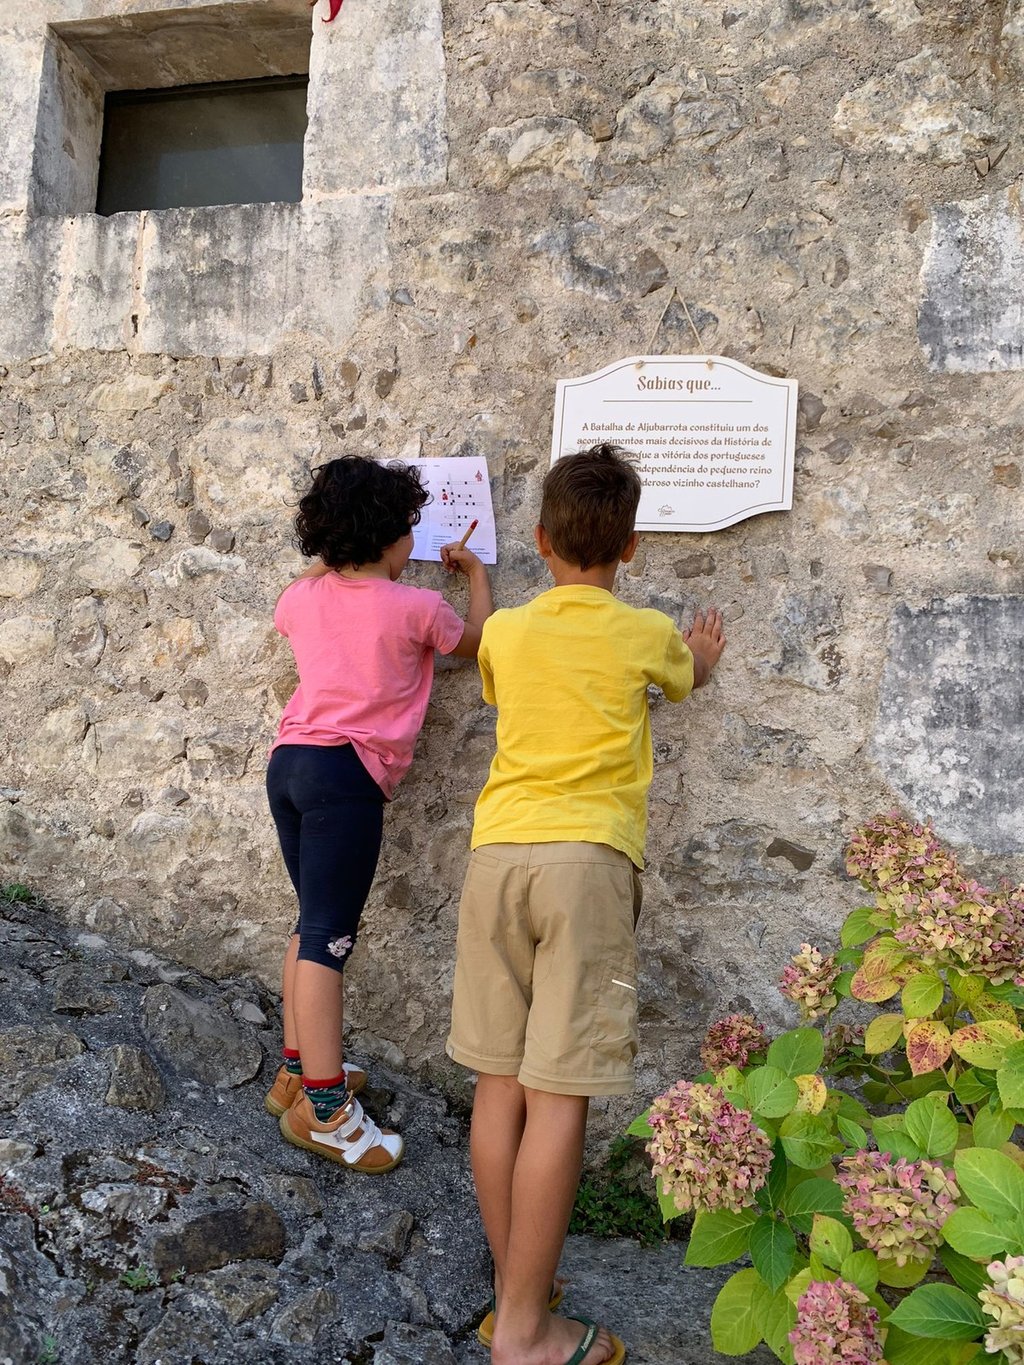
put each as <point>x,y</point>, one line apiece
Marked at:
<point>497,195</point>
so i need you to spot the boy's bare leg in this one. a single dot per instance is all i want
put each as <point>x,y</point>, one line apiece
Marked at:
<point>317,1003</point>
<point>291,1036</point>
<point>544,1181</point>
<point>499,1117</point>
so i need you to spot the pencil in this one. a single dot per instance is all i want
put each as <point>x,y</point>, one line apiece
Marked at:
<point>469,531</point>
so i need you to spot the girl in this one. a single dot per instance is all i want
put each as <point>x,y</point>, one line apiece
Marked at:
<point>364,649</point>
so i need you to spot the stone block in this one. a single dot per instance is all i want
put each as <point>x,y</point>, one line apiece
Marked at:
<point>239,278</point>
<point>379,69</point>
<point>134,1080</point>
<point>24,638</point>
<point>253,1232</point>
<point>232,471</point>
<point>21,62</point>
<point>107,564</point>
<point>971,314</point>
<point>950,731</point>
<point>135,747</point>
<point>20,573</point>
<point>915,110</point>
<point>200,1040</point>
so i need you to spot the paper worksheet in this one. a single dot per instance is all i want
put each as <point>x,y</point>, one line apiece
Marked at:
<point>460,494</point>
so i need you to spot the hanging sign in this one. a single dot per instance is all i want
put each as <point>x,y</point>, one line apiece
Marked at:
<point>713,439</point>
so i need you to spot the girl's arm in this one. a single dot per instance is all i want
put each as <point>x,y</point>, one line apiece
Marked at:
<point>316,570</point>
<point>480,602</point>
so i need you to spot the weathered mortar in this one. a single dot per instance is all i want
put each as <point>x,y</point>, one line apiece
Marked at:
<point>496,196</point>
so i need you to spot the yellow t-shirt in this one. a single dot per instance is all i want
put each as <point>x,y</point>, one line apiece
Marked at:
<point>569,674</point>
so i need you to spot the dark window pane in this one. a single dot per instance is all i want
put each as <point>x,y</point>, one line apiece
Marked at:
<point>238,143</point>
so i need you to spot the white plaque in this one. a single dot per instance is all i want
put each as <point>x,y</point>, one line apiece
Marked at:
<point>713,439</point>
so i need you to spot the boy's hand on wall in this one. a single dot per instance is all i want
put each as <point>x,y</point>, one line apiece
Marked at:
<point>706,643</point>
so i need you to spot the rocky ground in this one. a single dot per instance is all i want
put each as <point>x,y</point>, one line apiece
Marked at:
<point>150,1212</point>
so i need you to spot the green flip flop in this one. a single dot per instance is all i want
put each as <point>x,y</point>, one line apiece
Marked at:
<point>589,1337</point>
<point>485,1332</point>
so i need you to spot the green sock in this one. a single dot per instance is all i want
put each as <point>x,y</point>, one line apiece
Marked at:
<point>291,1061</point>
<point>326,1099</point>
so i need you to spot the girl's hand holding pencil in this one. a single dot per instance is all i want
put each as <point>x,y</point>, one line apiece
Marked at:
<point>456,558</point>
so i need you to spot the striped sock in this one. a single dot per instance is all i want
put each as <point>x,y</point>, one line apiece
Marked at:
<point>291,1061</point>
<point>326,1097</point>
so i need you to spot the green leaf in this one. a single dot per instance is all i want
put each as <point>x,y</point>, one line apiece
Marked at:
<point>1010,1077</point>
<point>772,1250</point>
<point>798,1052</point>
<point>922,995</point>
<point>972,1087</point>
<point>939,1310</point>
<point>798,1285</point>
<point>640,1127</point>
<point>991,1129</point>
<point>667,1204</point>
<point>739,1313</point>
<point>883,1033</point>
<point>898,1143</point>
<point>985,1044</point>
<point>830,1240</point>
<point>857,927</point>
<point>851,1133</point>
<point>931,1126</point>
<point>903,1276</point>
<point>778,1323</point>
<point>770,1092</point>
<point>992,1181</point>
<point>776,1186</point>
<point>902,1349</point>
<point>973,1233</point>
<point>850,1108</point>
<point>816,1195</point>
<point>807,1140</point>
<point>842,985</point>
<point>861,1269</point>
<point>719,1237</point>
<point>969,1275</point>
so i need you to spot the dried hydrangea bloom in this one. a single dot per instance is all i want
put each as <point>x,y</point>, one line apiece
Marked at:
<point>898,1207</point>
<point>840,1037</point>
<point>889,851</point>
<point>808,980</point>
<point>1004,1302</point>
<point>835,1323</point>
<point>706,1153</point>
<point>731,1042</point>
<point>944,918</point>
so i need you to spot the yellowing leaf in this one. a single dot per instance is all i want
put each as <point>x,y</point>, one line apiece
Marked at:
<point>813,1094</point>
<point>873,986</point>
<point>883,1032</point>
<point>986,1006</point>
<point>929,1044</point>
<point>984,1044</point>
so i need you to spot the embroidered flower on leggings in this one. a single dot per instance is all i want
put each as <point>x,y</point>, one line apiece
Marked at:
<point>338,947</point>
<point>835,1322</point>
<point>730,1041</point>
<point>898,1207</point>
<point>1003,1300</point>
<point>706,1153</point>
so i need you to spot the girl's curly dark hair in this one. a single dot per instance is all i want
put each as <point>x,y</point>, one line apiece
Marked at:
<point>356,508</point>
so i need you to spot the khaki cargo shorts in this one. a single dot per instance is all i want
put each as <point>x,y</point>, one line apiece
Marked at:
<point>545,975</point>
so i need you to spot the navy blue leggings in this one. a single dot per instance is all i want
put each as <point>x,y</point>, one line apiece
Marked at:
<point>329,813</point>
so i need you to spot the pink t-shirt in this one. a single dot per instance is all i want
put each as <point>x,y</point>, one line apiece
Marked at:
<point>364,649</point>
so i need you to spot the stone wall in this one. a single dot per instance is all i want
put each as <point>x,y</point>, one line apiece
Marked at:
<point>497,195</point>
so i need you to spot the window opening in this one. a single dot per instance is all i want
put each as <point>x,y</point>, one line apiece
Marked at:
<point>237,142</point>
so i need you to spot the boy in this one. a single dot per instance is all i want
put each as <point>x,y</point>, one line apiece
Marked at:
<point>545,983</point>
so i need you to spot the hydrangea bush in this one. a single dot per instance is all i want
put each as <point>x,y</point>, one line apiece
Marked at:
<point>868,1172</point>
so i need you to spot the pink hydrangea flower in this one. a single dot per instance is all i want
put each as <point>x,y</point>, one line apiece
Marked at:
<point>1004,1302</point>
<point>706,1153</point>
<point>731,1041</point>
<point>943,917</point>
<point>835,1324</point>
<point>808,980</point>
<point>898,1207</point>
